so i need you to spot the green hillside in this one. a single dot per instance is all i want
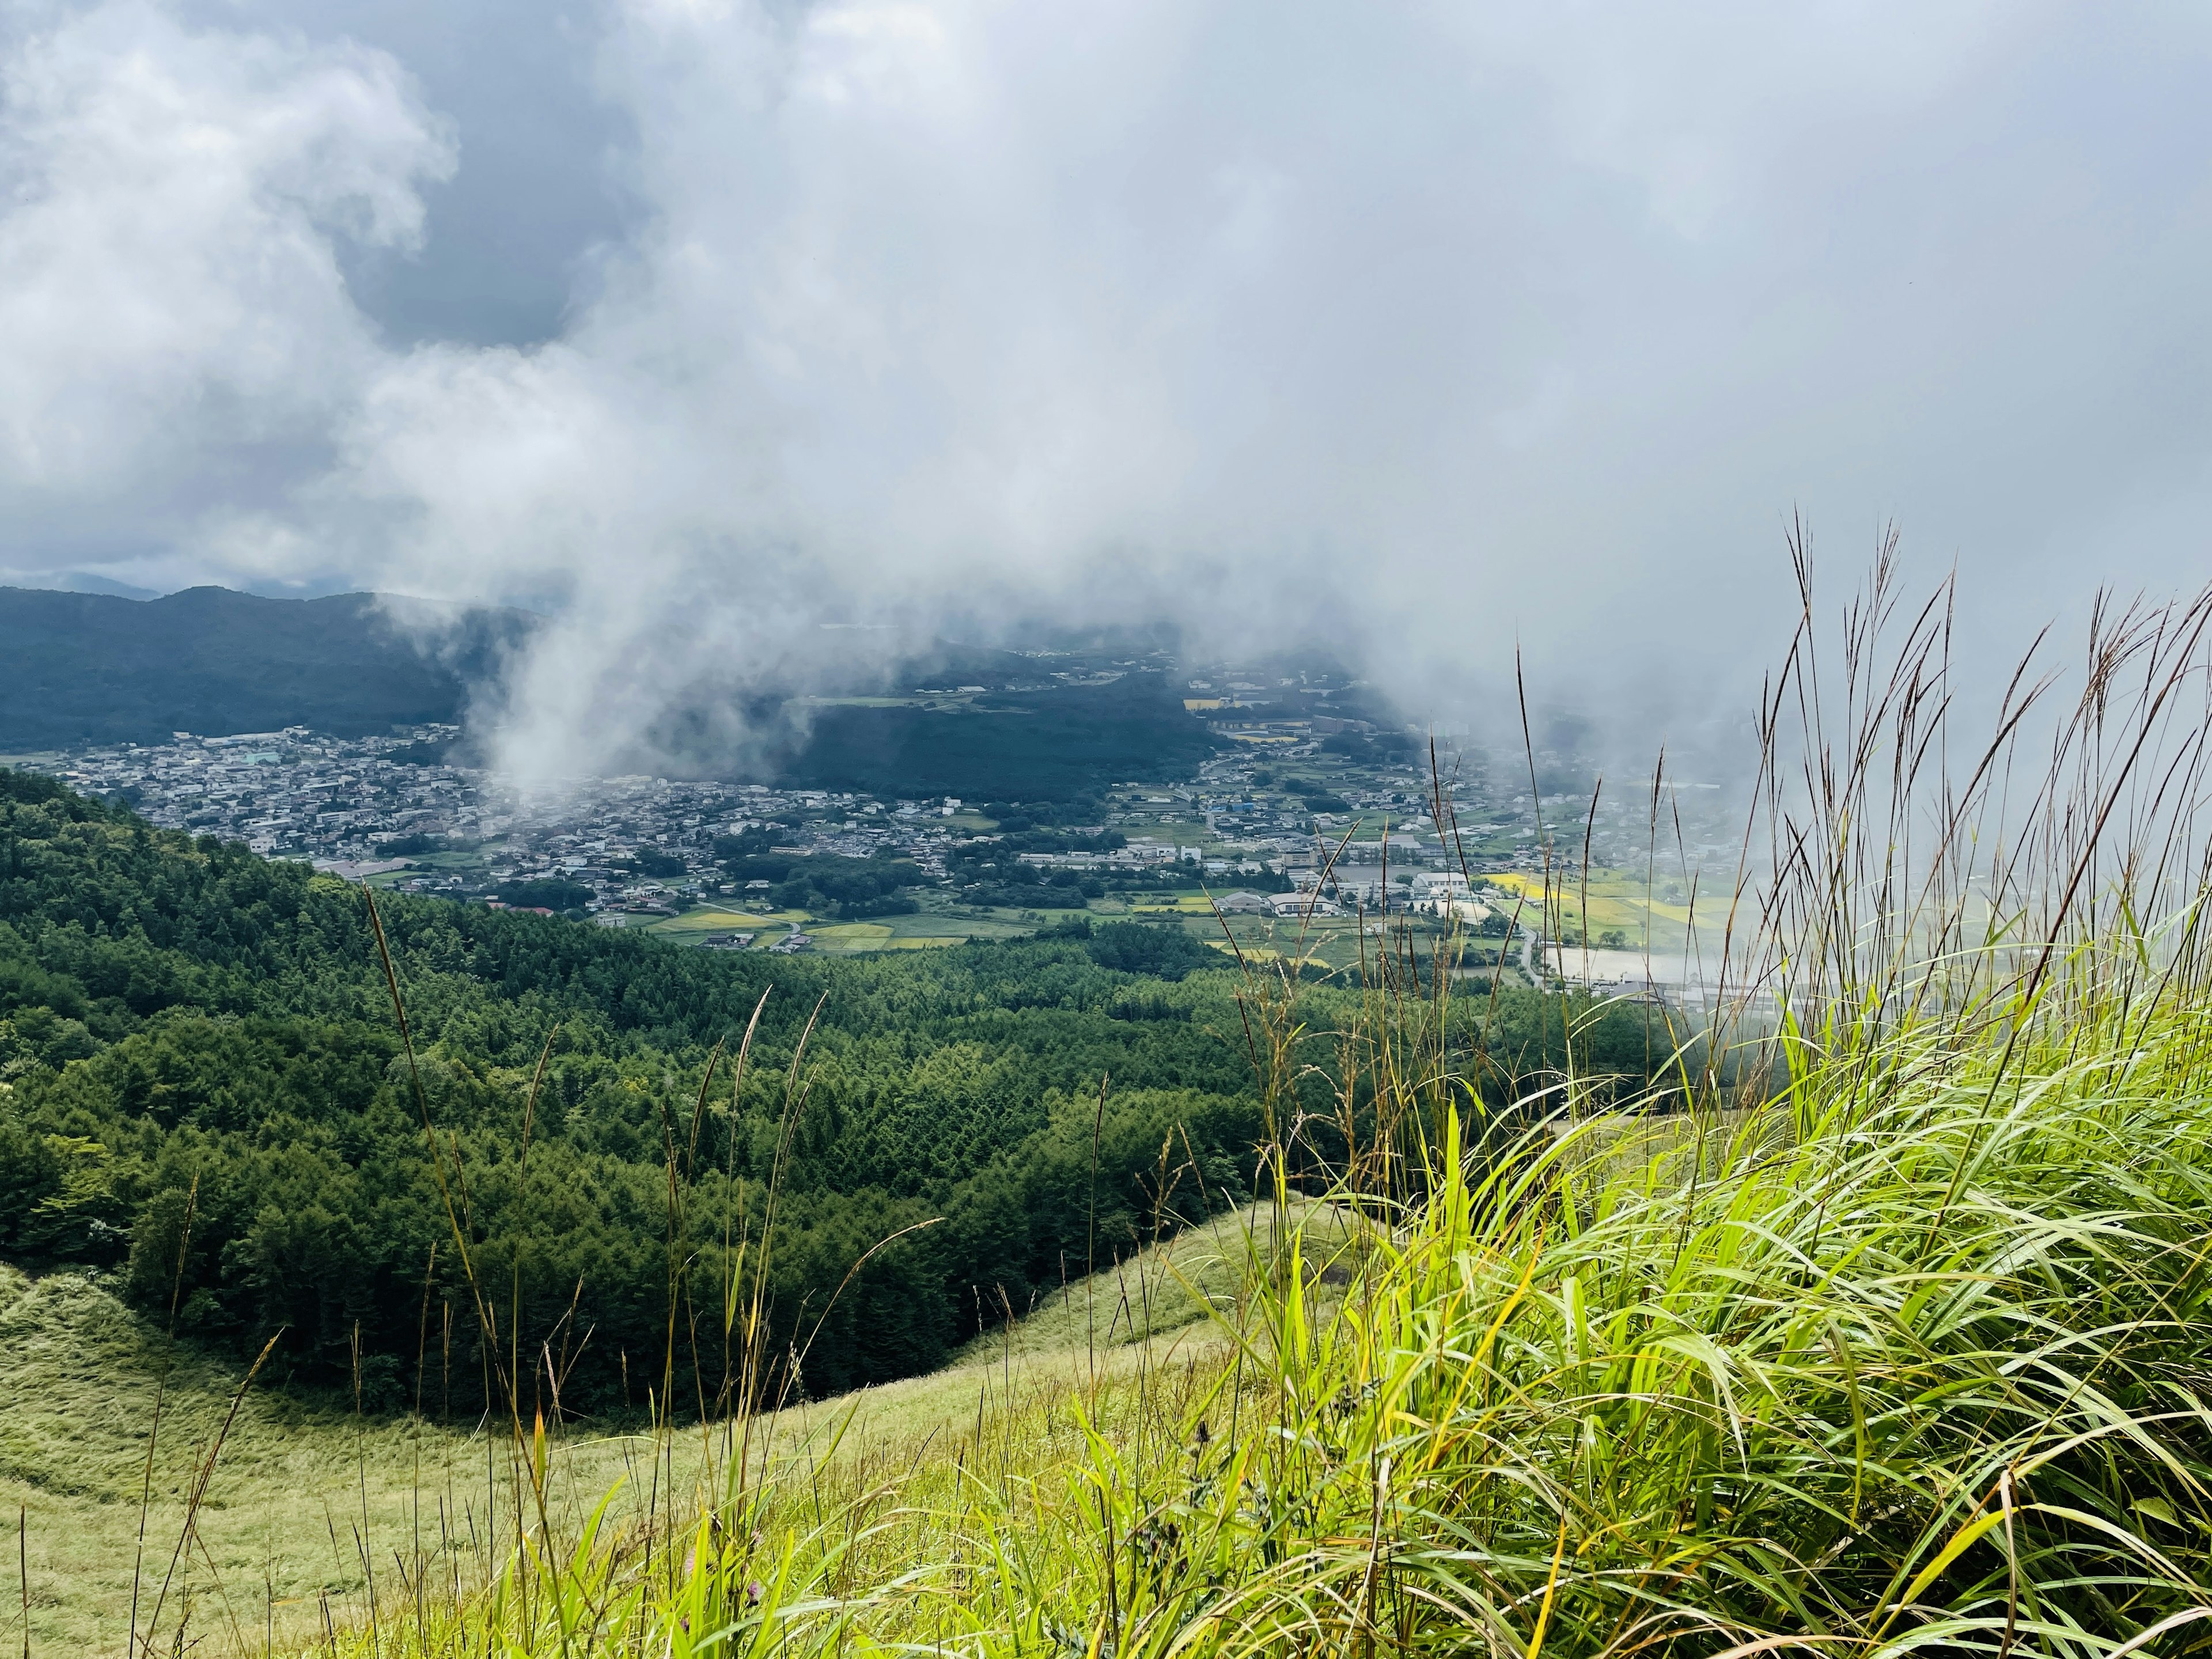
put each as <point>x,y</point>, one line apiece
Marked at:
<point>100,669</point>
<point>305,1496</point>
<point>87,668</point>
<point>1890,1343</point>
<point>1050,744</point>
<point>188,1032</point>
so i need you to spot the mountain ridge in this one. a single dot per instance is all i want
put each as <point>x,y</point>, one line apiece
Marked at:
<point>94,668</point>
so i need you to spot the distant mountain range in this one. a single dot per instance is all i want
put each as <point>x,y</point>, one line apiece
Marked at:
<point>94,668</point>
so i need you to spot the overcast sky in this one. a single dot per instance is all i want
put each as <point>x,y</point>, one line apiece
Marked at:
<point>1424,326</point>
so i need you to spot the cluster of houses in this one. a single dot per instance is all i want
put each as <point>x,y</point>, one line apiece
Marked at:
<point>1361,889</point>
<point>297,792</point>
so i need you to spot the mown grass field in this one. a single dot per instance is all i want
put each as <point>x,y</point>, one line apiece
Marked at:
<point>306,1497</point>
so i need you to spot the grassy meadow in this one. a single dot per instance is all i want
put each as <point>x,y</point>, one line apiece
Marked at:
<point>309,1503</point>
<point>1879,1327</point>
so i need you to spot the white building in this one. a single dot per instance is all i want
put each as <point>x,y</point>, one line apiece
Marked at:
<point>1454,883</point>
<point>1303,904</point>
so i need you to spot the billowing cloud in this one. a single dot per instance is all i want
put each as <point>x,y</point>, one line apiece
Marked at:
<point>1430,326</point>
<point>177,333</point>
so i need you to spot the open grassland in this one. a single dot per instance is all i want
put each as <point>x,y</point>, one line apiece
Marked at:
<point>307,1502</point>
<point>1877,1328</point>
<point>1897,1361</point>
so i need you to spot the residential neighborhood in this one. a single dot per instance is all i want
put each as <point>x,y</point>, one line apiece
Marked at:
<point>1297,819</point>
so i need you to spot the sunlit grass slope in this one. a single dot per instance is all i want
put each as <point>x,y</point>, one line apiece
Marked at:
<point>1910,1356</point>
<point>1894,1341</point>
<point>1895,1337</point>
<point>305,1497</point>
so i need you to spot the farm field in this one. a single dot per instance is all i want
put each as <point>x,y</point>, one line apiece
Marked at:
<point>1332,942</point>
<point>921,931</point>
<point>1626,901</point>
<point>927,927</point>
<point>713,919</point>
<point>903,933</point>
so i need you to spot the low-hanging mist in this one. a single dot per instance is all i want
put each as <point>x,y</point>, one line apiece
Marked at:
<point>1416,331</point>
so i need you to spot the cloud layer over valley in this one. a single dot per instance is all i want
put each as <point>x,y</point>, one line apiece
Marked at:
<point>696,322</point>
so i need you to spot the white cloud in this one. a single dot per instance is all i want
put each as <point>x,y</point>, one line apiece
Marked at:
<point>171,314</point>
<point>1442,322</point>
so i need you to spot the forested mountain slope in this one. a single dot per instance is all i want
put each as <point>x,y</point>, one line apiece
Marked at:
<point>185,1025</point>
<point>91,668</point>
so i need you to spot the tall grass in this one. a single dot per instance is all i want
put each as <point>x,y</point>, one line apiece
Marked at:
<point>1891,1334</point>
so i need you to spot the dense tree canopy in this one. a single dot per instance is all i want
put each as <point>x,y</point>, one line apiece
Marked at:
<point>189,1032</point>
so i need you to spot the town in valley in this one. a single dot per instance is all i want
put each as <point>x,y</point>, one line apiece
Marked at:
<point>1305,831</point>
